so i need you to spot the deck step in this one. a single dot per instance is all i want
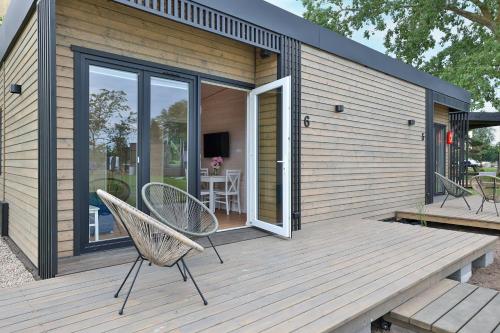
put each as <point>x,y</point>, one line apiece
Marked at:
<point>449,307</point>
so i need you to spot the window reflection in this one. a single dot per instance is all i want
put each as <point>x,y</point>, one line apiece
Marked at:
<point>169,132</point>
<point>113,103</point>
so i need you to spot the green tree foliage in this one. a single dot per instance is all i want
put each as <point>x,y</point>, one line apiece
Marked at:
<point>467,30</point>
<point>481,145</point>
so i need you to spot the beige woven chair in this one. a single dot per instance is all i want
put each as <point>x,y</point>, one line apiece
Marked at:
<point>489,188</point>
<point>154,241</point>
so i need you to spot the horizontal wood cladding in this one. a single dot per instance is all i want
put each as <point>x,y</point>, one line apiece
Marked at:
<point>113,28</point>
<point>366,160</point>
<point>19,179</point>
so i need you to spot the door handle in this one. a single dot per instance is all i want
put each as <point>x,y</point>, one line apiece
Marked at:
<point>280,161</point>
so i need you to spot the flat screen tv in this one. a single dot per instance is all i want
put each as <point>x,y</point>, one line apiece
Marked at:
<point>216,144</point>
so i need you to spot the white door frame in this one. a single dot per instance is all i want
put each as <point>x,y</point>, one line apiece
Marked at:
<point>252,186</point>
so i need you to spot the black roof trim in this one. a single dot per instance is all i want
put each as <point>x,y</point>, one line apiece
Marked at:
<point>483,119</point>
<point>15,18</point>
<point>278,20</point>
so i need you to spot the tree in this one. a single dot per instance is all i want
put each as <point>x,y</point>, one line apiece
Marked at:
<point>467,30</point>
<point>102,107</point>
<point>481,143</point>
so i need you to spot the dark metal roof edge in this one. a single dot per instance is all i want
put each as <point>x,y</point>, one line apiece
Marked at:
<point>278,20</point>
<point>17,14</point>
<point>484,116</point>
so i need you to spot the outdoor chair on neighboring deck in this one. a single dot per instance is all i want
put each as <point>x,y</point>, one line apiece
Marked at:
<point>489,188</point>
<point>453,189</point>
<point>154,241</point>
<point>181,211</point>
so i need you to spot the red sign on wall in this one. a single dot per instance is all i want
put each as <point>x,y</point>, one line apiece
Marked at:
<point>449,137</point>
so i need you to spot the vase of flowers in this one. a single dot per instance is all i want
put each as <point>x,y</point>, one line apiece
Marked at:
<point>216,165</point>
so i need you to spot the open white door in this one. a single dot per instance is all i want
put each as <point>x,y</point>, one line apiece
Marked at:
<point>268,162</point>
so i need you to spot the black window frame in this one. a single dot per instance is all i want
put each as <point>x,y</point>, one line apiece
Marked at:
<point>83,57</point>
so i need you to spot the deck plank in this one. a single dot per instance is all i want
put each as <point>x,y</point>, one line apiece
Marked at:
<point>457,317</point>
<point>486,320</point>
<point>348,268</point>
<point>455,212</point>
<point>405,311</point>
<point>426,317</point>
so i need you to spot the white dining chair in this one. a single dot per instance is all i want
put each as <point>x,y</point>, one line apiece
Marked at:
<point>231,190</point>
<point>204,191</point>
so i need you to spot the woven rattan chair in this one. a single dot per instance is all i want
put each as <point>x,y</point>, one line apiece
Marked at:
<point>453,189</point>
<point>489,188</point>
<point>155,242</point>
<point>181,211</point>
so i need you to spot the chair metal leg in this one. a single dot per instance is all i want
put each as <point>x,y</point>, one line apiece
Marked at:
<point>495,203</point>
<point>480,207</point>
<point>227,205</point>
<point>447,195</point>
<point>216,252</point>
<point>466,202</point>
<point>131,286</point>
<point>194,282</point>
<point>126,277</point>
<point>184,277</point>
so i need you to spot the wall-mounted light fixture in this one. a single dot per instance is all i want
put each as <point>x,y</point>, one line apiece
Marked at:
<point>15,89</point>
<point>411,122</point>
<point>339,108</point>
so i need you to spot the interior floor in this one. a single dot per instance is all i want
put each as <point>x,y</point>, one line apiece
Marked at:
<point>233,220</point>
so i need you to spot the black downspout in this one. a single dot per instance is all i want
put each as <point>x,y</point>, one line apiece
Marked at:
<point>47,144</point>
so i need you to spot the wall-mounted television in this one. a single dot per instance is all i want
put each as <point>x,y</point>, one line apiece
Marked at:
<point>216,144</point>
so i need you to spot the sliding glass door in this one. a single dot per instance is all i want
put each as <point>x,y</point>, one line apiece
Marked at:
<point>132,127</point>
<point>112,144</point>
<point>168,131</point>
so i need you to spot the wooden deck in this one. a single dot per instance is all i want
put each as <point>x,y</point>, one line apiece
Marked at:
<point>455,212</point>
<point>450,307</point>
<point>331,276</point>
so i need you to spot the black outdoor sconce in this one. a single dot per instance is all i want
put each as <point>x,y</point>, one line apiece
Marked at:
<point>339,108</point>
<point>411,122</point>
<point>15,89</point>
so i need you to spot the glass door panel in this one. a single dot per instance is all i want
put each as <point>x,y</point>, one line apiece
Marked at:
<point>169,105</point>
<point>113,136</point>
<point>440,155</point>
<point>269,157</point>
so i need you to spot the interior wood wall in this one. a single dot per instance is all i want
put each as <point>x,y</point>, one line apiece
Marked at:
<point>366,160</point>
<point>226,111</point>
<point>106,26</point>
<point>19,177</point>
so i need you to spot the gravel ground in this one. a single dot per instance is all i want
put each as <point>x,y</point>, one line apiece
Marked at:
<point>489,277</point>
<point>12,271</point>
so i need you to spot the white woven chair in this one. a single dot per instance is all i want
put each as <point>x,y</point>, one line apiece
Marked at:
<point>181,211</point>
<point>155,242</point>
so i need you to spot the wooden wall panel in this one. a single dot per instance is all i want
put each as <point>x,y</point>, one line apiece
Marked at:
<point>20,141</point>
<point>366,160</point>
<point>109,27</point>
<point>266,70</point>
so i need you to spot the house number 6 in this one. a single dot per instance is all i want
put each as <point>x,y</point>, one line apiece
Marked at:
<point>307,122</point>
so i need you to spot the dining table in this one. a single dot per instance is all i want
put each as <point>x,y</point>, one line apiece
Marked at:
<point>211,181</point>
